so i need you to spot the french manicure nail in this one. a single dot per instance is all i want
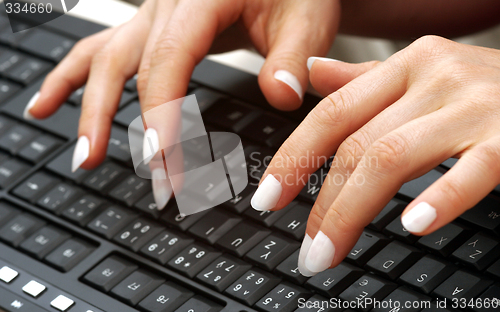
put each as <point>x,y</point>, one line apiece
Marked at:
<point>150,145</point>
<point>81,153</point>
<point>288,78</point>
<point>419,218</point>
<point>320,254</point>
<point>162,189</point>
<point>26,114</point>
<point>306,244</point>
<point>267,194</point>
<point>312,59</point>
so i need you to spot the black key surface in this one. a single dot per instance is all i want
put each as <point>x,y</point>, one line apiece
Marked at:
<point>294,222</point>
<point>222,272</point>
<point>266,126</point>
<point>367,246</point>
<point>368,288</point>
<point>130,190</point>
<point>125,116</point>
<point>137,233</point>
<point>494,269</point>
<point>7,89</point>
<point>205,97</point>
<point>486,214</point>
<point>479,251</point>
<point>83,210</point>
<point>240,239</point>
<point>444,240</point>
<point>272,251</point>
<point>43,241</point>
<point>59,197</point>
<point>283,298</point>
<point>148,206</point>
<point>193,259</point>
<point>252,286</point>
<point>46,44</point>
<point>400,298</point>
<point>136,287</point>
<point>166,298</point>
<point>5,124</point>
<point>166,245</point>
<point>173,218</point>
<point>396,229</point>
<point>110,221</point>
<point>28,70</point>
<point>10,170</point>
<point>241,202</point>
<point>126,98</point>
<point>8,300</point>
<point>214,225</point>
<point>76,97</point>
<point>333,281</point>
<point>489,300</point>
<point>7,212</point>
<point>462,284</point>
<point>19,228</point>
<point>413,188</point>
<point>69,254</point>
<point>102,178</point>
<point>109,273</point>
<point>17,137</point>
<point>427,273</point>
<point>394,259</point>
<point>231,114</point>
<point>118,147</point>
<point>10,59</point>
<point>289,269</point>
<point>39,147</point>
<point>131,84</point>
<point>199,304</point>
<point>266,218</point>
<point>36,185</point>
<point>62,166</point>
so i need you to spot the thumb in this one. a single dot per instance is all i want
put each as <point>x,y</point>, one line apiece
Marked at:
<point>303,30</point>
<point>328,75</point>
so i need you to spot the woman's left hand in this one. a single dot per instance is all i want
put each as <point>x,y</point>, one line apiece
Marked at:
<point>389,123</point>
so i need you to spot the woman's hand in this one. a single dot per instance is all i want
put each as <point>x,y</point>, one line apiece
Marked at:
<point>164,42</point>
<point>392,123</point>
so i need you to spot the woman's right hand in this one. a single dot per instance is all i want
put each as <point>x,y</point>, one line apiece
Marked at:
<point>164,42</point>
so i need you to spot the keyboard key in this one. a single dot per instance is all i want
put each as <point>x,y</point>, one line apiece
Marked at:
<point>69,254</point>
<point>444,240</point>
<point>59,197</point>
<point>118,147</point>
<point>166,245</point>
<point>166,298</point>
<point>240,239</point>
<point>28,70</point>
<point>413,188</point>
<point>8,299</point>
<point>34,288</point>
<point>126,98</point>
<point>39,147</point>
<point>394,259</point>
<point>282,298</point>
<point>396,229</point>
<point>289,269</point>
<point>7,212</point>
<point>76,97</point>
<point>173,218</point>
<point>266,218</point>
<point>5,124</point>
<point>83,210</point>
<point>9,59</point>
<point>489,300</point>
<point>131,190</point>
<point>231,115</point>
<point>252,286</point>
<point>241,202</point>
<point>193,259</point>
<point>62,303</point>
<point>19,228</point>
<point>131,84</point>
<point>428,273</point>
<point>7,89</point>
<point>486,214</point>
<point>46,44</point>
<point>148,206</point>
<point>10,170</point>
<point>205,98</point>
<point>402,296</point>
<point>294,222</point>
<point>125,116</point>
<point>36,185</point>
<point>110,221</point>
<point>43,241</point>
<point>313,186</point>
<point>62,166</point>
<point>214,225</point>
<point>266,126</point>
<point>368,287</point>
<point>138,233</point>
<point>479,251</point>
<point>199,304</point>
<point>104,177</point>
<point>367,246</point>
<point>7,274</point>
<point>333,281</point>
<point>462,284</point>
<point>257,159</point>
<point>136,287</point>
<point>222,272</point>
<point>16,137</point>
<point>494,269</point>
<point>272,251</point>
<point>109,273</point>
<point>438,306</point>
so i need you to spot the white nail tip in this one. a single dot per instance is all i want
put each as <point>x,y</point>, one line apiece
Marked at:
<point>292,81</point>
<point>162,189</point>
<point>312,59</point>
<point>26,114</point>
<point>419,218</point>
<point>267,194</point>
<point>320,254</point>
<point>306,244</point>
<point>151,145</point>
<point>81,153</point>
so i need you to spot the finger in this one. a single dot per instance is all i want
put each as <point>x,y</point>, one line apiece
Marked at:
<point>476,173</point>
<point>399,155</point>
<point>322,131</point>
<point>110,69</point>
<point>284,76</point>
<point>70,74</point>
<point>329,75</point>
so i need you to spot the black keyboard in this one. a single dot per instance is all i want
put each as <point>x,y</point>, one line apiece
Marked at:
<point>94,240</point>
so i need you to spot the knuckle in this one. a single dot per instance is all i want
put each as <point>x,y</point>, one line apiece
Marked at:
<point>425,49</point>
<point>316,216</point>
<point>339,219</point>
<point>487,155</point>
<point>354,147</point>
<point>333,109</point>
<point>390,152</point>
<point>455,195</point>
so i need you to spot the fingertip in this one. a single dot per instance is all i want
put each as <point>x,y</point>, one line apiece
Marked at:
<point>27,114</point>
<point>282,89</point>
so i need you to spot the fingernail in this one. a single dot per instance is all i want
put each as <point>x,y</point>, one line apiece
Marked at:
<point>150,145</point>
<point>292,81</point>
<point>26,114</point>
<point>312,59</point>
<point>320,254</point>
<point>306,244</point>
<point>419,218</point>
<point>81,153</point>
<point>267,194</point>
<point>162,189</point>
